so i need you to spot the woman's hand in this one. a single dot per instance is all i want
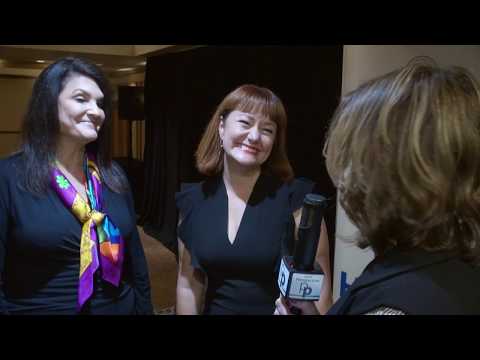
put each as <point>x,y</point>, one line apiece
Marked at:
<point>286,307</point>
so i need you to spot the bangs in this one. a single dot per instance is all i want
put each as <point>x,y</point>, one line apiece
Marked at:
<point>254,100</point>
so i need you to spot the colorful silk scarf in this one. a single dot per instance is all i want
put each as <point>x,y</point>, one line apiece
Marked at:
<point>98,231</point>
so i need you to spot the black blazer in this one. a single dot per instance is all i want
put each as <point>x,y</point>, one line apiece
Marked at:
<point>415,282</point>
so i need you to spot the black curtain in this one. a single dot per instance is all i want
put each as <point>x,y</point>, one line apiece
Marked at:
<point>182,90</point>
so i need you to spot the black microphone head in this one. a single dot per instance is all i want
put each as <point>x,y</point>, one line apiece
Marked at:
<point>309,229</point>
<point>313,205</point>
<point>315,200</point>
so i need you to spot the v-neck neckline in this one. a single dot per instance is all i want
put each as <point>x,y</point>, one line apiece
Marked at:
<point>69,177</point>
<point>244,214</point>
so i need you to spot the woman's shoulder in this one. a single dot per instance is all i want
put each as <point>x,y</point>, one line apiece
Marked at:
<point>11,159</point>
<point>190,190</point>
<point>199,190</point>
<point>297,185</point>
<point>193,193</point>
<point>190,187</point>
<point>9,166</point>
<point>9,176</point>
<point>297,189</point>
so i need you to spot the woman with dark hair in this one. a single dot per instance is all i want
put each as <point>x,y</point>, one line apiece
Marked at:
<point>235,226</point>
<point>68,237</point>
<point>404,152</point>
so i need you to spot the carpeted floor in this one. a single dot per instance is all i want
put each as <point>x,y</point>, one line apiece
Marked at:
<point>163,274</point>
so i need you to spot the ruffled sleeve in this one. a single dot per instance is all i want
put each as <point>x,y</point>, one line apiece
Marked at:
<point>297,190</point>
<point>186,200</point>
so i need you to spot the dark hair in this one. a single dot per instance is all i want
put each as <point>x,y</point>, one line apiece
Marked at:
<point>252,99</point>
<point>41,127</point>
<point>404,151</point>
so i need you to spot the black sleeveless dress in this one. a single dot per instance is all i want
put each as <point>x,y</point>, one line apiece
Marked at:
<point>242,277</point>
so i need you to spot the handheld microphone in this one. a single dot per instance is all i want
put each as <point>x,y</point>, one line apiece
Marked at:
<point>298,279</point>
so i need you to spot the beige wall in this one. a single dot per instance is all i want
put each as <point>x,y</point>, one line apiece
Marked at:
<point>13,101</point>
<point>14,96</point>
<point>19,72</point>
<point>361,63</point>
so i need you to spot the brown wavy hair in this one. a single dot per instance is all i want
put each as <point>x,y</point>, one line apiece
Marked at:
<point>404,152</point>
<point>255,100</point>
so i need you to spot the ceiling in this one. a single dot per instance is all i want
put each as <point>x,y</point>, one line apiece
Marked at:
<point>115,60</point>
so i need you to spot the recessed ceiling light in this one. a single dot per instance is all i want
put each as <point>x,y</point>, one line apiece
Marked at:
<point>40,61</point>
<point>126,69</point>
<point>143,63</point>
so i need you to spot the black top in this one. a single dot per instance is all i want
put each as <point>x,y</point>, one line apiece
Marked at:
<point>416,282</point>
<point>40,254</point>
<point>242,277</point>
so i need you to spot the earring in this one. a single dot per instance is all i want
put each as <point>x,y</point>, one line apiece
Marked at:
<point>221,143</point>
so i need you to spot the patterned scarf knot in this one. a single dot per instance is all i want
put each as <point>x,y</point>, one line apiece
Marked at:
<point>101,244</point>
